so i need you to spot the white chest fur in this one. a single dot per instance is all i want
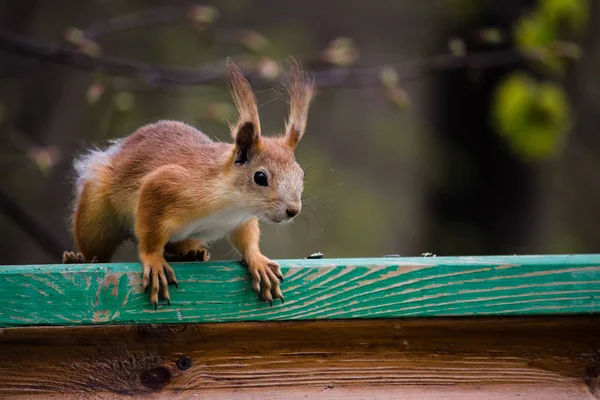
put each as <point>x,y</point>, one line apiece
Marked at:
<point>212,227</point>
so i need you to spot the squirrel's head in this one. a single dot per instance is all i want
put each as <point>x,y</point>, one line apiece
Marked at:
<point>266,170</point>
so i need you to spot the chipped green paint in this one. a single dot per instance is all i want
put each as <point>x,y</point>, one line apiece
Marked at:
<point>314,289</point>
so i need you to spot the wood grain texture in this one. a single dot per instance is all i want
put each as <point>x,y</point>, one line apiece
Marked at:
<point>314,289</point>
<point>435,358</point>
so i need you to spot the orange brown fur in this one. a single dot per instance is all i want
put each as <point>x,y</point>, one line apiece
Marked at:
<point>169,187</point>
<point>300,90</point>
<point>243,97</point>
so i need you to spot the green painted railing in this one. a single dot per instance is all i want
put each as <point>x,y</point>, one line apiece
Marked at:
<point>89,294</point>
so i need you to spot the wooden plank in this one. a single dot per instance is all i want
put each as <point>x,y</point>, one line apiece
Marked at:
<point>450,358</point>
<point>314,289</point>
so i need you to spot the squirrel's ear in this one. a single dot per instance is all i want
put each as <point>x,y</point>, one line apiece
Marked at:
<point>247,140</point>
<point>300,90</point>
<point>244,100</point>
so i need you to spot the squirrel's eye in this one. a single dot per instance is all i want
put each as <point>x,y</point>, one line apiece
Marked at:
<point>261,179</point>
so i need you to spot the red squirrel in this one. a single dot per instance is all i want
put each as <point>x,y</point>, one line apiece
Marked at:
<point>173,191</point>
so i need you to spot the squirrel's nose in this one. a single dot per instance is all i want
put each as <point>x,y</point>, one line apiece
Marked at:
<point>292,212</point>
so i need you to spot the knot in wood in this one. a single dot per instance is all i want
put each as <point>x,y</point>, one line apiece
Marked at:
<point>156,378</point>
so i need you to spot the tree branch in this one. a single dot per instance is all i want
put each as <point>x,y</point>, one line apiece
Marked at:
<point>196,16</point>
<point>62,54</point>
<point>137,19</point>
<point>153,75</point>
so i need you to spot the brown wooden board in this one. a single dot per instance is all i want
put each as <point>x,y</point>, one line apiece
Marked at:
<point>451,358</point>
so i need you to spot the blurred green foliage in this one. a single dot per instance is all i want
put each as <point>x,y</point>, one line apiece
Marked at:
<point>534,117</point>
<point>566,15</point>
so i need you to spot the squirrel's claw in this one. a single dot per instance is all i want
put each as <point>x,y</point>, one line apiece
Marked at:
<point>157,277</point>
<point>204,254</point>
<point>266,278</point>
<point>71,257</point>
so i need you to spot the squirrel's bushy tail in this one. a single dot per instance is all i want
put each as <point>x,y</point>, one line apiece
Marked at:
<point>88,165</point>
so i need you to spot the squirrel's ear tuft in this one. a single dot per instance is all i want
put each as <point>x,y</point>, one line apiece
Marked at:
<point>300,90</point>
<point>244,100</point>
<point>247,140</point>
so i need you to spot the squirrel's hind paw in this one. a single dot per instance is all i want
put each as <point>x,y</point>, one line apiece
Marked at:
<point>71,257</point>
<point>189,256</point>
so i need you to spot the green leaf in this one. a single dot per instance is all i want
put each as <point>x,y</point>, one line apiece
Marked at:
<point>534,31</point>
<point>568,16</point>
<point>533,118</point>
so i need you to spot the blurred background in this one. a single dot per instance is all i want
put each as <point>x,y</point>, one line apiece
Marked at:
<point>458,127</point>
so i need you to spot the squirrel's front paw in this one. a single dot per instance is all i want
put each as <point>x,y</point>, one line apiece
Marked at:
<point>265,273</point>
<point>158,275</point>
